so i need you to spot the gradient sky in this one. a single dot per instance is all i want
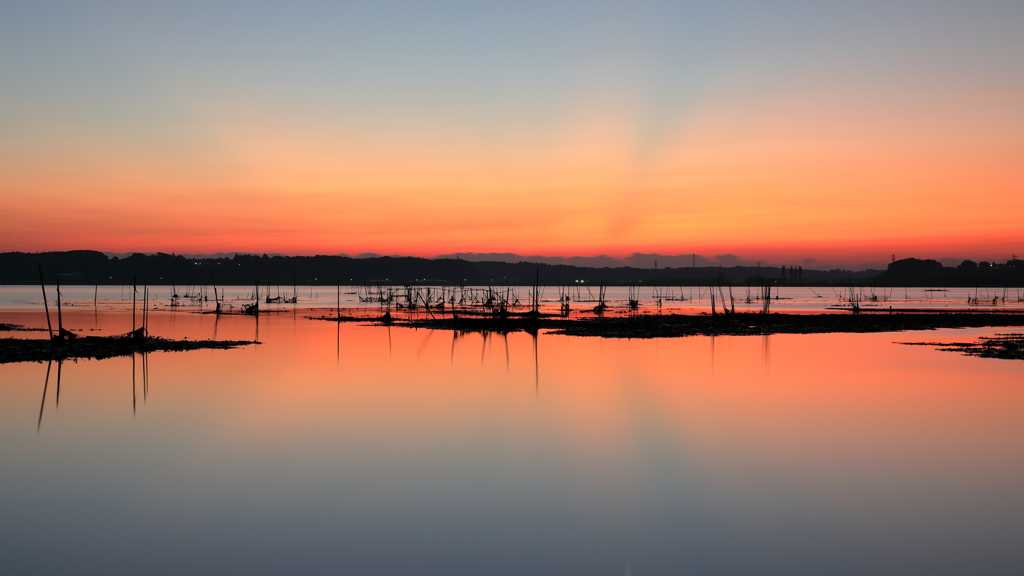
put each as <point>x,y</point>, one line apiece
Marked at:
<point>776,131</point>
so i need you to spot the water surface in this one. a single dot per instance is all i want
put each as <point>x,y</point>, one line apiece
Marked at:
<point>344,448</point>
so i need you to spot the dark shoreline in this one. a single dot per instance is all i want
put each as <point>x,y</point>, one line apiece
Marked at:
<point>99,347</point>
<point>740,324</point>
<point>90,267</point>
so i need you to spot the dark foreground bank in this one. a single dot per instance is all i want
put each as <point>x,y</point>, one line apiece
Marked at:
<point>673,325</point>
<point>23,350</point>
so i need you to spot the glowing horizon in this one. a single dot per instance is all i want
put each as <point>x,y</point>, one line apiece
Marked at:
<point>780,134</point>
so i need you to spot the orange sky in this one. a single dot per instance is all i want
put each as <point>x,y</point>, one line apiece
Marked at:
<point>781,156</point>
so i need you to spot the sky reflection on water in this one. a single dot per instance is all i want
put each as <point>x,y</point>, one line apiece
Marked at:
<point>359,449</point>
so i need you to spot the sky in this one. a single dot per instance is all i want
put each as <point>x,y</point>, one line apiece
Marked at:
<point>781,132</point>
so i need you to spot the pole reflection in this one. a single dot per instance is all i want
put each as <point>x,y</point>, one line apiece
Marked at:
<point>42,405</point>
<point>536,365</point>
<point>766,341</point>
<point>487,339</point>
<point>139,367</point>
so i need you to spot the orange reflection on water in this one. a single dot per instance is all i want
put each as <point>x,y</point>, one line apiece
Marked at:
<point>846,437</point>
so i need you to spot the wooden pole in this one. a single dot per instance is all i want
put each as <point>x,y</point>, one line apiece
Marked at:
<point>134,290</point>
<point>712,290</point>
<point>257,303</point>
<point>536,291</point>
<point>46,306</point>
<point>60,320</point>
<point>215,297</point>
<point>145,308</point>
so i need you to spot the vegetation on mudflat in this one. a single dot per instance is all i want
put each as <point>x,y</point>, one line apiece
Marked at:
<point>1005,346</point>
<point>41,350</point>
<point>18,328</point>
<point>739,324</point>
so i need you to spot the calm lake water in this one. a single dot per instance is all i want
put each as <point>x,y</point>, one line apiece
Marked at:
<point>352,449</point>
